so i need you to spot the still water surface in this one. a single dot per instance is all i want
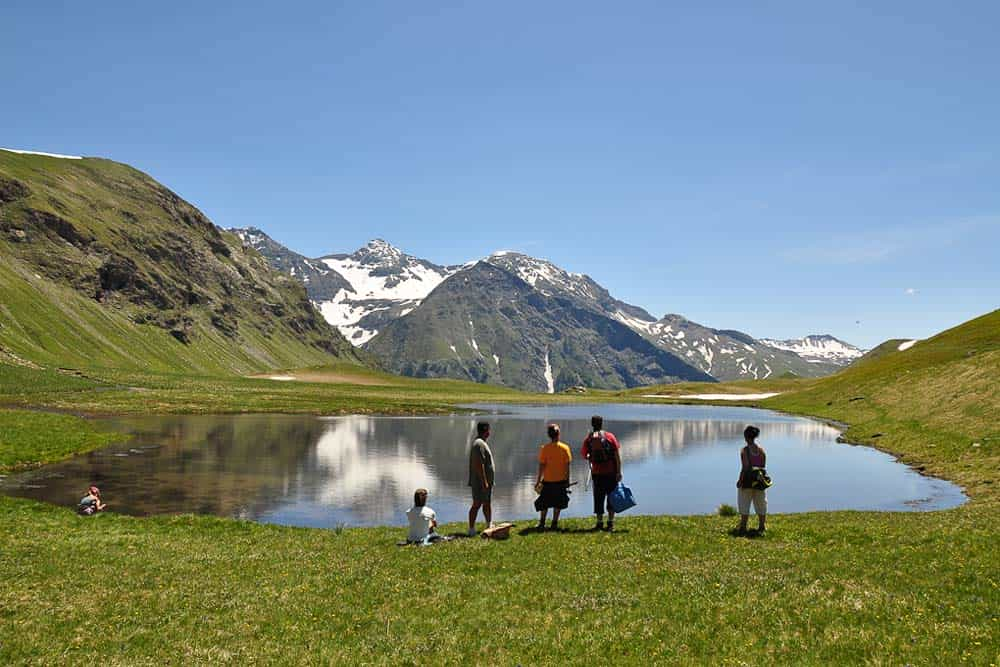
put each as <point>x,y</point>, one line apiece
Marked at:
<point>362,470</point>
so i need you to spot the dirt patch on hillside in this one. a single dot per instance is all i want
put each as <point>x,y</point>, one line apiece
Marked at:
<point>327,377</point>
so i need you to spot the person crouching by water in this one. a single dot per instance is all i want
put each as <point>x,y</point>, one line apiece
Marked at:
<point>423,520</point>
<point>601,448</point>
<point>552,482</point>
<point>481,477</point>
<point>751,456</point>
<point>91,503</point>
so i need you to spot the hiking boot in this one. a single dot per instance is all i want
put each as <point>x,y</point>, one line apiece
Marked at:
<point>611,527</point>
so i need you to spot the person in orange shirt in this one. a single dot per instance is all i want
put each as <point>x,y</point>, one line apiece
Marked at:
<point>552,482</point>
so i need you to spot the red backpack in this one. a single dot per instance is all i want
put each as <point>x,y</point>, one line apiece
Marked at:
<point>601,452</point>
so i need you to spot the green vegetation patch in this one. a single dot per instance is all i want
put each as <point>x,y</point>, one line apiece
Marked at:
<point>819,588</point>
<point>31,438</point>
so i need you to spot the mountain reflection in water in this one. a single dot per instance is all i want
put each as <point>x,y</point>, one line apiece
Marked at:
<point>362,470</point>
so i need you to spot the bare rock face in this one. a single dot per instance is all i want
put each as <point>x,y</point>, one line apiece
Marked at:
<point>12,190</point>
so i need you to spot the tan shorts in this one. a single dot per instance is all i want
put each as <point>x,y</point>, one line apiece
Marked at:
<point>757,496</point>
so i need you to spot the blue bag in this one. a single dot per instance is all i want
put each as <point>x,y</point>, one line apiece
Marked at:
<point>621,498</point>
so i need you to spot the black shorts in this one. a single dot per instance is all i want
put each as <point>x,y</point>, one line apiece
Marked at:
<point>554,495</point>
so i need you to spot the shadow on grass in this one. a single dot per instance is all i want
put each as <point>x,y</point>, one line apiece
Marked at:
<point>752,534</point>
<point>535,530</point>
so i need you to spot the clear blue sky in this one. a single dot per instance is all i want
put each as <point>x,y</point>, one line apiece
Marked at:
<point>794,168</point>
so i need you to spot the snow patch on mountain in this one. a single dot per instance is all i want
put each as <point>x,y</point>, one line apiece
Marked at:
<point>545,276</point>
<point>818,349</point>
<point>58,155</point>
<point>549,379</point>
<point>718,397</point>
<point>386,284</point>
<point>636,324</point>
<point>906,345</point>
<point>410,283</point>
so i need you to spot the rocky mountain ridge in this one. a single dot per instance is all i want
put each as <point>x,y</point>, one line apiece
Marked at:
<point>819,349</point>
<point>387,284</point>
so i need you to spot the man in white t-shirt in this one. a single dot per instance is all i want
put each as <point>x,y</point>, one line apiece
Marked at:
<point>422,519</point>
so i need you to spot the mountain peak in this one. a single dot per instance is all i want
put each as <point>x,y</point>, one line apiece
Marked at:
<point>381,253</point>
<point>819,348</point>
<point>383,246</point>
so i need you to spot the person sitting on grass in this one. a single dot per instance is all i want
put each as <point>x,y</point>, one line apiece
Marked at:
<point>91,503</point>
<point>752,457</point>
<point>552,482</point>
<point>423,520</point>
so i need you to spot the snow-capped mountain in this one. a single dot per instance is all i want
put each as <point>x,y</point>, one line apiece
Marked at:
<point>724,354</point>
<point>385,284</point>
<point>367,292</point>
<point>819,349</point>
<point>357,293</point>
<point>727,354</point>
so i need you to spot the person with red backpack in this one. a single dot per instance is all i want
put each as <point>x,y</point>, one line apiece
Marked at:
<point>601,448</point>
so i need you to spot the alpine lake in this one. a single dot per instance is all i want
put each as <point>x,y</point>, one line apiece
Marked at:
<point>362,470</point>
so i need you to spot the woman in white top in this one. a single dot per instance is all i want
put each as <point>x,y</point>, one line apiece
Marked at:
<point>423,520</point>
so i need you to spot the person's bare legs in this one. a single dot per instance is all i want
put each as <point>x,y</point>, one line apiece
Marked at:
<point>555,517</point>
<point>611,519</point>
<point>544,513</point>
<point>473,512</point>
<point>488,514</point>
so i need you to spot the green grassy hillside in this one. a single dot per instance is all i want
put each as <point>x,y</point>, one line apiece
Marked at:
<point>882,349</point>
<point>103,266</point>
<point>936,404</point>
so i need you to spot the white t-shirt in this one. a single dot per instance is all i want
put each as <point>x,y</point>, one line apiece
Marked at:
<point>420,522</point>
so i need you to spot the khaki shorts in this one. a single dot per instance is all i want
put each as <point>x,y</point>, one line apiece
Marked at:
<point>481,495</point>
<point>759,498</point>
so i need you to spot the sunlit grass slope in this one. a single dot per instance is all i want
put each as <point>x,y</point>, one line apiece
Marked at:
<point>102,266</point>
<point>55,326</point>
<point>936,404</point>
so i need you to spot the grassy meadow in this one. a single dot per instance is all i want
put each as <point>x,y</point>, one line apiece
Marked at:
<point>819,588</point>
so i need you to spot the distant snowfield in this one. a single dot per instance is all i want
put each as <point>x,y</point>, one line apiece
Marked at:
<point>906,345</point>
<point>64,157</point>
<point>818,349</point>
<point>407,288</point>
<point>719,397</point>
<point>281,378</point>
